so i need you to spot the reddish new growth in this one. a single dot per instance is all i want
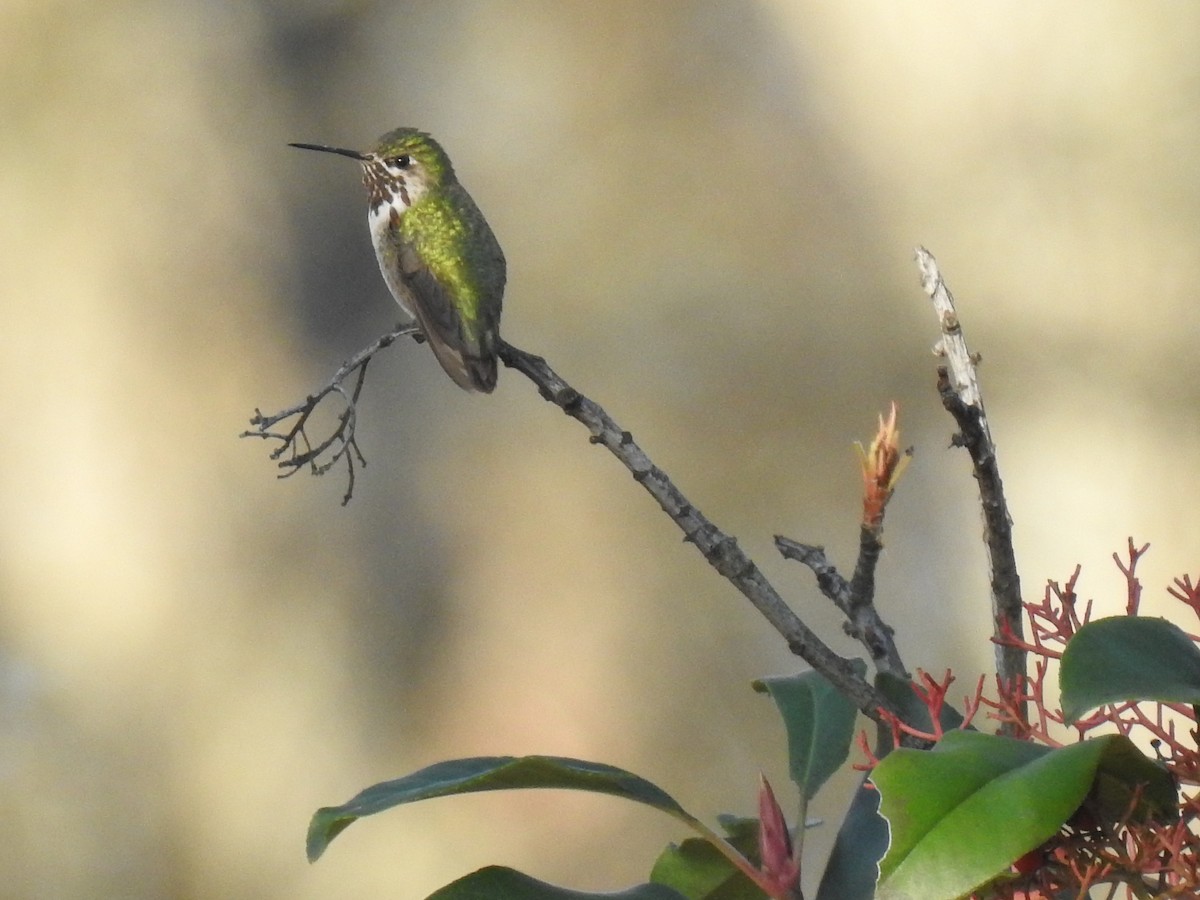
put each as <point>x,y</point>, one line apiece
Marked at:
<point>780,867</point>
<point>882,465</point>
<point>932,695</point>
<point>1147,859</point>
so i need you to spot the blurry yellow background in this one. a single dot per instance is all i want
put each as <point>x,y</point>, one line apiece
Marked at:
<point>709,212</point>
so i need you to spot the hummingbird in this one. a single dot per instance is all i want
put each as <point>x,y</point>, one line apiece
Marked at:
<point>436,251</point>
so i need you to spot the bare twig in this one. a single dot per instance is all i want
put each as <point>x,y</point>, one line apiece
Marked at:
<point>342,444</point>
<point>720,549</point>
<point>958,385</point>
<point>829,579</point>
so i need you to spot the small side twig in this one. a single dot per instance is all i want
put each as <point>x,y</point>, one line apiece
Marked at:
<point>863,621</point>
<point>883,462</point>
<point>958,386</point>
<point>295,451</point>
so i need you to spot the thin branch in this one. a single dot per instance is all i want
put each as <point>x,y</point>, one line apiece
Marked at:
<point>295,451</point>
<point>958,385</point>
<point>720,549</point>
<point>862,583</point>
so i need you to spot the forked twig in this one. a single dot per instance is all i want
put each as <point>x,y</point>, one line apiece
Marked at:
<point>295,450</point>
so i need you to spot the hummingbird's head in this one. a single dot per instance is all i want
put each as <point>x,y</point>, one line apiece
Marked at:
<point>404,166</point>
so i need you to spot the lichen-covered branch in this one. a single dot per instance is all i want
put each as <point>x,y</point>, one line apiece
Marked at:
<point>958,386</point>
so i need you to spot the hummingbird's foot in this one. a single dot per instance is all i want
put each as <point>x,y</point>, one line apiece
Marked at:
<point>418,336</point>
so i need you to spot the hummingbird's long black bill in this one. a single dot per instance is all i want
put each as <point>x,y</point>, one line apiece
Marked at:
<point>353,154</point>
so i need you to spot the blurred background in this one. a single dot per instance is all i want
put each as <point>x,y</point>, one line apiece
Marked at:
<point>709,212</point>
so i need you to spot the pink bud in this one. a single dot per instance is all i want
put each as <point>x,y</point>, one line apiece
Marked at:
<point>775,843</point>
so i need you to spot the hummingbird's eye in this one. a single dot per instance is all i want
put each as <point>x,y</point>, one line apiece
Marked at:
<point>403,161</point>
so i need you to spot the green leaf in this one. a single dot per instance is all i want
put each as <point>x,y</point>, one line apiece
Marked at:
<point>1128,658</point>
<point>853,865</point>
<point>499,883</point>
<point>819,723</point>
<point>489,773</point>
<point>1122,770</point>
<point>742,833</point>
<point>698,871</point>
<point>961,813</point>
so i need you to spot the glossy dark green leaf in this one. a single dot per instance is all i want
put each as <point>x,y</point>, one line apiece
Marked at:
<point>819,723</point>
<point>498,883</point>
<point>489,773</point>
<point>1128,658</point>
<point>853,865</point>
<point>961,813</point>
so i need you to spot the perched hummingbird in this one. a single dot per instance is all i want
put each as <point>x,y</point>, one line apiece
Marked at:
<point>436,251</point>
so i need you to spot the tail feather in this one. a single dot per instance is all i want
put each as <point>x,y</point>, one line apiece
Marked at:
<point>471,373</point>
<point>472,369</point>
